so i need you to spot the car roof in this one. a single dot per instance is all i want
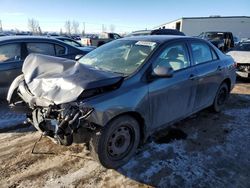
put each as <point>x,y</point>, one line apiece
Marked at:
<point>157,38</point>
<point>21,38</point>
<point>62,37</point>
<point>157,31</point>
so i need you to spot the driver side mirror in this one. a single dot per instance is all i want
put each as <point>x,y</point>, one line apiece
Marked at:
<point>163,72</point>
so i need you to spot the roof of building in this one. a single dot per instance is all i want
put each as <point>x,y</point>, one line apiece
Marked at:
<point>208,17</point>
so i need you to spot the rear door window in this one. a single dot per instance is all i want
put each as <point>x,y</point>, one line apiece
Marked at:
<point>10,52</point>
<point>45,48</point>
<point>202,53</point>
<point>41,48</point>
<point>60,50</point>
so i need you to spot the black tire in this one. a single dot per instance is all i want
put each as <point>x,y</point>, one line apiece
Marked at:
<point>116,143</point>
<point>220,98</point>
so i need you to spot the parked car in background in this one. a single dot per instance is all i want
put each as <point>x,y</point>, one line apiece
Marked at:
<point>14,49</point>
<point>100,40</point>
<point>156,32</point>
<point>222,40</point>
<point>2,34</point>
<point>75,43</point>
<point>76,37</point>
<point>241,55</point>
<point>123,91</point>
<point>236,40</point>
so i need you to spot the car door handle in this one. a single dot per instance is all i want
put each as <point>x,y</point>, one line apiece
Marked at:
<point>192,76</point>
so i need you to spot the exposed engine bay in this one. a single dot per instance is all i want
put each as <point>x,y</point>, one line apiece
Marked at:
<point>59,122</point>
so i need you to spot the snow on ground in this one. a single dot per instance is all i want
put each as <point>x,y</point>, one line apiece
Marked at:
<point>224,163</point>
<point>214,153</point>
<point>9,118</point>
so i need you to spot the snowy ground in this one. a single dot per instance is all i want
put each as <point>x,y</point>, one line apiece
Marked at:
<point>9,119</point>
<point>211,150</point>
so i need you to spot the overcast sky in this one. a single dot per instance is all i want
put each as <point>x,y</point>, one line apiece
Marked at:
<point>125,15</point>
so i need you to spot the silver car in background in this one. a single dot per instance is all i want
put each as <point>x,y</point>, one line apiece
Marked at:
<point>241,55</point>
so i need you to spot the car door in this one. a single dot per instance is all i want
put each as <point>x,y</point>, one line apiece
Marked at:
<point>209,72</point>
<point>11,60</point>
<point>172,98</point>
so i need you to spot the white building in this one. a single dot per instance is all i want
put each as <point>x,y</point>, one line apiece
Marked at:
<point>193,26</point>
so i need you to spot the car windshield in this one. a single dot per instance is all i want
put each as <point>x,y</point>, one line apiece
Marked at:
<point>120,56</point>
<point>245,46</point>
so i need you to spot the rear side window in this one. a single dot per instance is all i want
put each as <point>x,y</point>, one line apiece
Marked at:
<point>45,48</point>
<point>60,50</point>
<point>41,48</point>
<point>10,52</point>
<point>71,42</point>
<point>202,53</point>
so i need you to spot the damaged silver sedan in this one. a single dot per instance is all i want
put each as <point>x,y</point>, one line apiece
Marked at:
<point>122,91</point>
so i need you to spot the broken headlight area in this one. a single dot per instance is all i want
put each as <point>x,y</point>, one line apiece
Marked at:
<point>243,67</point>
<point>59,122</point>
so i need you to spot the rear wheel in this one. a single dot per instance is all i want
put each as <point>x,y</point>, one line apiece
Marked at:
<point>221,97</point>
<point>115,144</point>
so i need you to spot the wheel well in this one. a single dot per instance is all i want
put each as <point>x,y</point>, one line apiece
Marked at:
<point>140,120</point>
<point>228,82</point>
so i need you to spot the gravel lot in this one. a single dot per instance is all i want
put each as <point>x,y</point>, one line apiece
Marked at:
<point>205,150</point>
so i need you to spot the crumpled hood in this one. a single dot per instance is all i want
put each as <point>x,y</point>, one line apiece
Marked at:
<point>62,80</point>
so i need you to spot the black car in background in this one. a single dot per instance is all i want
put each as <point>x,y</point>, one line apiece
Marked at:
<point>14,49</point>
<point>156,32</point>
<point>222,40</point>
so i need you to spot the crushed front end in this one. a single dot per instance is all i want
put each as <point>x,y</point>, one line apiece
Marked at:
<point>53,92</point>
<point>59,122</point>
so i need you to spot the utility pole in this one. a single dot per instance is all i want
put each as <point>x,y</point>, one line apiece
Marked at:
<point>83,23</point>
<point>104,28</point>
<point>1,27</point>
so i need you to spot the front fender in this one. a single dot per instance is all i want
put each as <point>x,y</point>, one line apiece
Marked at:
<point>12,95</point>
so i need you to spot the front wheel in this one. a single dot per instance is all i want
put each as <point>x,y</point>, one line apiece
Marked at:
<point>220,98</point>
<point>115,144</point>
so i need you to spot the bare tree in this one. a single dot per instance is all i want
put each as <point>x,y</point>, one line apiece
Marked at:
<point>83,31</point>
<point>33,26</point>
<point>75,27</point>
<point>39,30</point>
<point>68,27</point>
<point>61,32</point>
<point>112,28</point>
